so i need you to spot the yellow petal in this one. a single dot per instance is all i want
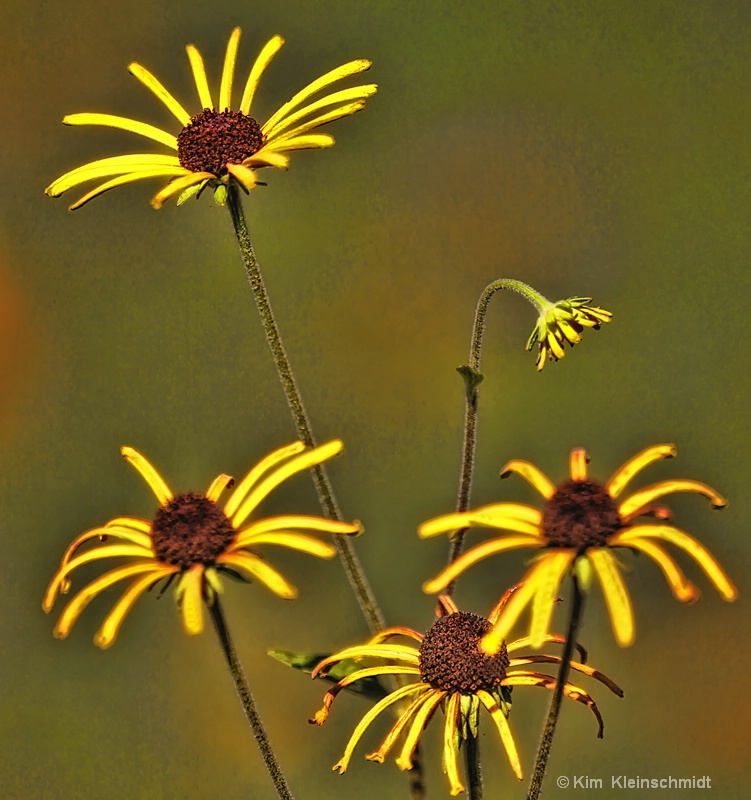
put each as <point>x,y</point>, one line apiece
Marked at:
<point>255,474</point>
<point>350,97</point>
<point>78,603</point>
<point>578,464</point>
<point>149,474</point>
<point>218,485</point>
<point>616,595</point>
<point>199,76</point>
<point>644,497</point>
<point>635,465</point>
<point>297,463</point>
<point>125,124</point>
<point>295,522</point>
<point>396,731</point>
<point>531,474</point>
<point>337,113</point>
<point>243,174</point>
<point>259,569</point>
<point>115,165</point>
<point>163,172</point>
<point>270,49</point>
<point>264,159</point>
<point>449,744</point>
<point>505,516</point>
<point>491,642</point>
<point>294,541</point>
<point>106,635</point>
<point>393,652</point>
<point>153,85</point>
<point>549,581</point>
<point>309,142</point>
<point>105,551</point>
<point>228,71</point>
<point>420,720</point>
<point>334,75</point>
<point>716,574</point>
<point>474,555</point>
<point>503,730</point>
<point>190,592</point>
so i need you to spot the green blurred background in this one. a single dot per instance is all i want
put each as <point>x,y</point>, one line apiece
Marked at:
<point>594,148</point>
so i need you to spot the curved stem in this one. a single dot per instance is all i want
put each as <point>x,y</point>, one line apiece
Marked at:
<point>344,546</point>
<point>472,375</point>
<point>248,703</point>
<point>546,742</point>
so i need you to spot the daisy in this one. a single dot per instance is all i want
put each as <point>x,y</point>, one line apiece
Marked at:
<point>578,528</point>
<point>217,144</point>
<point>192,538</point>
<point>452,673</point>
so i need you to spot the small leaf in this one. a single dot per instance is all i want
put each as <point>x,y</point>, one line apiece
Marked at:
<point>191,191</point>
<point>472,379</point>
<point>307,662</point>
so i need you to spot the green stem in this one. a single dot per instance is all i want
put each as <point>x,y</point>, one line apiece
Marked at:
<point>248,703</point>
<point>474,770</point>
<point>472,375</point>
<point>344,546</point>
<point>546,742</point>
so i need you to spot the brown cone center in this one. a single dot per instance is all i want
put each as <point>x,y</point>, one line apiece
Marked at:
<point>190,529</point>
<point>213,139</point>
<point>451,659</point>
<point>580,514</point>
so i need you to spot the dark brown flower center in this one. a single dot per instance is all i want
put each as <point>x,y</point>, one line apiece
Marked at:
<point>190,529</point>
<point>213,139</point>
<point>580,514</point>
<point>451,659</point>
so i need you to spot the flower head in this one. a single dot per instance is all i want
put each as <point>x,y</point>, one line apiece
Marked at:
<point>192,538</point>
<point>217,144</point>
<point>563,322</point>
<point>454,674</point>
<point>581,523</point>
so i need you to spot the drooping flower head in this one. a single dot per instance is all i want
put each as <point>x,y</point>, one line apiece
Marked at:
<point>581,523</point>
<point>563,322</point>
<point>217,144</point>
<point>451,673</point>
<point>192,538</point>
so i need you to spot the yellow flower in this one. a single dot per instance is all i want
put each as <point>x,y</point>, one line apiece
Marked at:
<point>217,143</point>
<point>450,672</point>
<point>563,322</point>
<point>192,538</point>
<point>581,522</point>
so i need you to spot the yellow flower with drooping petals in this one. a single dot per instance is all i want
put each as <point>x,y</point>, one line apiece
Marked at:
<point>453,674</point>
<point>579,527</point>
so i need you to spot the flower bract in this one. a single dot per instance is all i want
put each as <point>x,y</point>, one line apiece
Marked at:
<point>581,524</point>
<point>217,143</point>
<point>453,674</point>
<point>193,539</point>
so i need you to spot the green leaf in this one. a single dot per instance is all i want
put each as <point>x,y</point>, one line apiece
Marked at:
<point>472,379</point>
<point>191,191</point>
<point>307,662</point>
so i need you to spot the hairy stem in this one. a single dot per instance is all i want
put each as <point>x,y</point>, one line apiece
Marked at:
<point>344,546</point>
<point>472,375</point>
<point>546,742</point>
<point>248,703</point>
<point>473,767</point>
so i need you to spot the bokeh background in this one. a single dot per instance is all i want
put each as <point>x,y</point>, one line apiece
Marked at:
<point>592,148</point>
